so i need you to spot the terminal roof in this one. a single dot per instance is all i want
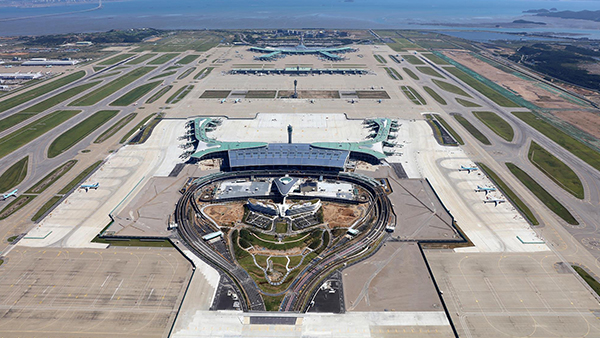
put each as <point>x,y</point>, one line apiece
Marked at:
<point>286,154</point>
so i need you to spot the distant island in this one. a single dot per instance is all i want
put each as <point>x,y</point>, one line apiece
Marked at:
<point>521,21</point>
<point>580,15</point>
<point>542,10</point>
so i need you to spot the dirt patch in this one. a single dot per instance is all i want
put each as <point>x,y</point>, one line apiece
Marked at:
<point>586,121</point>
<point>372,94</point>
<point>261,94</point>
<point>341,215</point>
<point>50,179</point>
<point>215,94</point>
<point>226,215</point>
<point>311,94</point>
<point>529,90</point>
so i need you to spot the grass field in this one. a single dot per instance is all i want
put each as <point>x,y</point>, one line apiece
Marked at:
<point>435,95</point>
<point>14,175</point>
<point>542,194</point>
<point>111,87</point>
<point>380,58</point>
<point>135,94</point>
<point>39,91</point>
<point>482,88</point>
<point>413,95</point>
<point>578,149</point>
<point>411,73</point>
<point>187,59</point>
<point>72,136</point>
<point>497,124</point>
<point>393,73</point>
<point>413,60</point>
<point>591,281</point>
<point>215,94</point>
<point>180,94</point>
<point>466,103</point>
<point>401,44</point>
<point>115,128</point>
<point>203,73</point>
<point>452,132</point>
<point>472,129</point>
<point>430,71</point>
<point>159,94</point>
<point>115,59</point>
<point>146,131</point>
<point>163,59</point>
<point>75,182</point>
<point>186,73</point>
<point>15,205</point>
<point>437,131</point>
<point>161,75</point>
<point>52,177</point>
<point>450,88</point>
<point>281,227</point>
<point>30,132</point>
<point>514,198</point>
<point>136,128</point>
<point>156,243</point>
<point>141,59</point>
<point>47,206</point>
<point>261,94</point>
<point>435,59</point>
<point>556,170</point>
<point>105,75</point>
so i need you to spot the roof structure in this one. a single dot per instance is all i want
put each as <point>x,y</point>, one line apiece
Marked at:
<point>286,154</point>
<point>329,53</point>
<point>285,184</point>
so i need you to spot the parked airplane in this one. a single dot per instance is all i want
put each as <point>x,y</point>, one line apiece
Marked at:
<point>10,194</point>
<point>467,169</point>
<point>87,187</point>
<point>236,101</point>
<point>485,189</point>
<point>223,100</point>
<point>496,201</point>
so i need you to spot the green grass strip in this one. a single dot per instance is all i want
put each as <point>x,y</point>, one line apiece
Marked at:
<point>187,59</point>
<point>115,59</point>
<point>472,129</point>
<point>136,128</point>
<point>21,201</point>
<point>186,73</point>
<point>393,73</point>
<point>514,198</point>
<point>107,75</point>
<point>577,148</point>
<point>115,128</point>
<point>79,178</point>
<point>52,177</point>
<point>380,58</point>
<point>556,170</point>
<point>47,206</point>
<point>450,88</point>
<point>165,74</point>
<point>72,136</point>
<point>497,124</point>
<point>155,243</point>
<point>466,103</point>
<point>159,94</point>
<point>411,73</point>
<point>430,71</point>
<point>435,95</point>
<point>141,59</point>
<point>413,60</point>
<point>163,59</point>
<point>542,194</point>
<point>14,175</point>
<point>203,73</point>
<point>30,132</point>
<point>592,282</point>
<point>179,94</point>
<point>452,132</point>
<point>490,93</point>
<point>413,95</point>
<point>134,94</point>
<point>435,59</point>
<point>39,91</point>
<point>111,87</point>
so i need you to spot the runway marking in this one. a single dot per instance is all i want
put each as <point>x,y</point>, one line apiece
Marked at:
<point>117,289</point>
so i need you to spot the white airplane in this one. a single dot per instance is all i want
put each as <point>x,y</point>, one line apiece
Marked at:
<point>87,187</point>
<point>485,189</point>
<point>467,169</point>
<point>236,101</point>
<point>10,194</point>
<point>496,201</point>
<point>223,100</point>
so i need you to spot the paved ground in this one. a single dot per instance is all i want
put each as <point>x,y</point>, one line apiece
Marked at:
<point>513,295</point>
<point>118,292</point>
